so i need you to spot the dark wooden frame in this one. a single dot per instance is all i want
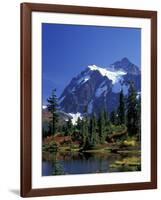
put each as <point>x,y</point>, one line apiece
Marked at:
<point>26,87</point>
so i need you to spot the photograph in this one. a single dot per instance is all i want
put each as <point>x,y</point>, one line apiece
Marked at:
<point>88,99</point>
<point>91,99</point>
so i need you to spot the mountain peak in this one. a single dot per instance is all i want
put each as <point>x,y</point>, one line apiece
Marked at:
<point>125,60</point>
<point>126,65</point>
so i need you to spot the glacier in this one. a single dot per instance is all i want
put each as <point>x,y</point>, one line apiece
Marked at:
<point>114,76</point>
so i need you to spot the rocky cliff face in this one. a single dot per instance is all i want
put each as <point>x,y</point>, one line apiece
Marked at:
<point>97,88</point>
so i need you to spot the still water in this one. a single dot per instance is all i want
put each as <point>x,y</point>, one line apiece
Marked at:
<point>80,163</point>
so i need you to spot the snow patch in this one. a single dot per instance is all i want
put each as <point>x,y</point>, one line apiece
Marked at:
<point>75,117</point>
<point>114,76</point>
<point>83,79</point>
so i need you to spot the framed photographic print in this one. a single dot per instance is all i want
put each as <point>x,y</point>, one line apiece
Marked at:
<point>88,99</point>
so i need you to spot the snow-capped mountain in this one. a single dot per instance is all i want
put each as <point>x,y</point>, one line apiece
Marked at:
<point>125,65</point>
<point>98,88</point>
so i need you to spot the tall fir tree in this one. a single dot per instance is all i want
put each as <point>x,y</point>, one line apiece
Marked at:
<point>64,129</point>
<point>78,126</point>
<point>52,107</point>
<point>49,129</point>
<point>138,120</point>
<point>121,109</point>
<point>82,130</point>
<point>113,117</point>
<point>77,130</point>
<point>69,128</point>
<point>132,111</point>
<point>107,122</point>
<point>93,131</point>
<point>95,135</point>
<point>85,134</point>
<point>106,117</point>
<point>44,133</point>
<point>101,127</point>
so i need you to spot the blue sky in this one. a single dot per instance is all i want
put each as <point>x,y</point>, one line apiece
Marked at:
<point>69,49</point>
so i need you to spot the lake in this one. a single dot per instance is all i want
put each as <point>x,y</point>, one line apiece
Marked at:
<point>84,163</point>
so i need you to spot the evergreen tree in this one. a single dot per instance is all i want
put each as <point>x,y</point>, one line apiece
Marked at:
<point>76,135</point>
<point>101,127</point>
<point>86,128</point>
<point>85,134</point>
<point>132,111</point>
<point>113,117</point>
<point>49,129</point>
<point>64,129</point>
<point>82,130</point>
<point>121,109</point>
<point>69,127</point>
<point>107,122</point>
<point>106,117</point>
<point>138,120</point>
<point>95,135</point>
<point>44,133</point>
<point>78,126</point>
<point>93,131</point>
<point>52,108</point>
